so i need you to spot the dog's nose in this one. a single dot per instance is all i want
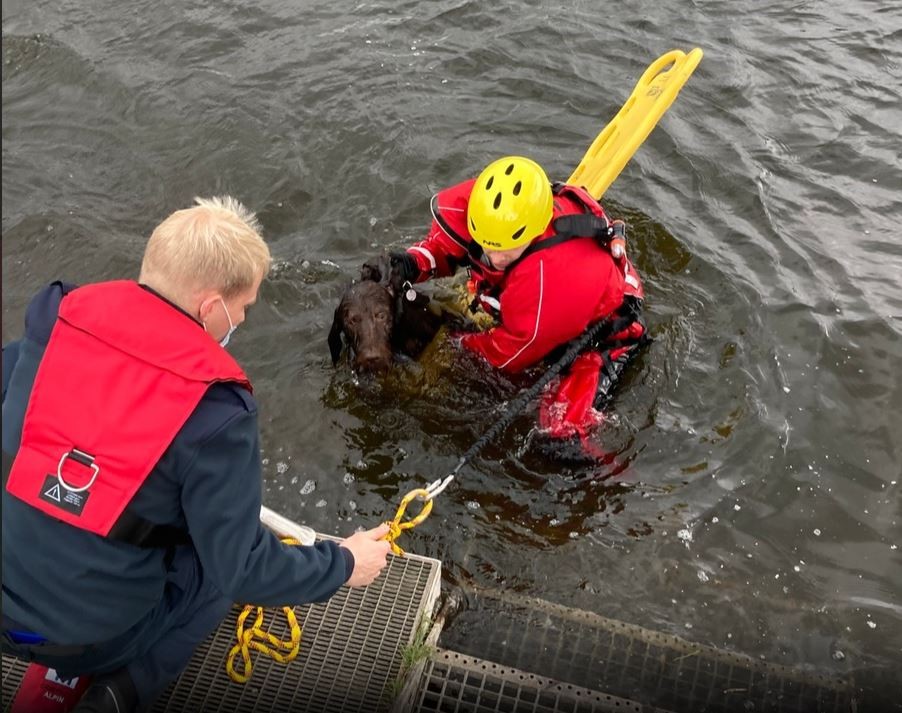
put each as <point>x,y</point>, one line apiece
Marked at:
<point>372,362</point>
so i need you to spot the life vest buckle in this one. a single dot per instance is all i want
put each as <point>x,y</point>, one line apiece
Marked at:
<point>81,458</point>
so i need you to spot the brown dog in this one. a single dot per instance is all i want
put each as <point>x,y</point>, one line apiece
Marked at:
<point>380,317</point>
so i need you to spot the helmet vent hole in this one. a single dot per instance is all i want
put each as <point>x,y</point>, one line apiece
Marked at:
<point>472,225</point>
<point>516,235</point>
<point>488,185</point>
<point>517,188</point>
<point>509,170</point>
<point>497,202</point>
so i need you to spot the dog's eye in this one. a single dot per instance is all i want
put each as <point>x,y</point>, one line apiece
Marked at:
<point>382,316</point>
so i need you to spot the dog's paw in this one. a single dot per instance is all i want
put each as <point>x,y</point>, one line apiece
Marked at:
<point>372,270</point>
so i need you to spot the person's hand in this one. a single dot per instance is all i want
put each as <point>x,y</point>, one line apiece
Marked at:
<point>460,324</point>
<point>404,266</point>
<point>618,241</point>
<point>461,340</point>
<point>456,339</point>
<point>370,555</point>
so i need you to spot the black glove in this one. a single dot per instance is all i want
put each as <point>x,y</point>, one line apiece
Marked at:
<point>403,267</point>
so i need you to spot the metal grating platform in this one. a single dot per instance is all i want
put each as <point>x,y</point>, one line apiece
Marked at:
<point>658,670</point>
<point>351,650</point>
<point>13,672</point>
<point>454,683</point>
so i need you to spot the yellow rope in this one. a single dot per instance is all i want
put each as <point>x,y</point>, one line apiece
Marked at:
<point>258,639</point>
<point>396,527</point>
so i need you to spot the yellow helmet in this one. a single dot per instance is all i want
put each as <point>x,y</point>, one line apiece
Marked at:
<point>510,204</point>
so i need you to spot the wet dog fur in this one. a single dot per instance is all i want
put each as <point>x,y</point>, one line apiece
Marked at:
<point>377,319</point>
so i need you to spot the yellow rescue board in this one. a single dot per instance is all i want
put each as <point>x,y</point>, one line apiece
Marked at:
<point>618,141</point>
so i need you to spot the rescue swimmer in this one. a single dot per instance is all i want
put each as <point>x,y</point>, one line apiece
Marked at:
<point>546,261</point>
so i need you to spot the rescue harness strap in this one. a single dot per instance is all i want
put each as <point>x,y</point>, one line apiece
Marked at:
<point>623,317</point>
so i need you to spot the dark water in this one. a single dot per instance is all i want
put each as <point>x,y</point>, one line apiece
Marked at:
<point>751,498</point>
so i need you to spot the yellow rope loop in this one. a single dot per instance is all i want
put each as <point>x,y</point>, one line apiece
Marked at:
<point>258,639</point>
<point>394,531</point>
<point>396,527</point>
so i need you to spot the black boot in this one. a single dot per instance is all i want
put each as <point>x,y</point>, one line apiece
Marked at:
<point>109,693</point>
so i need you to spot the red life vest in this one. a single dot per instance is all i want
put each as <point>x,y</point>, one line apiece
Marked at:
<point>121,374</point>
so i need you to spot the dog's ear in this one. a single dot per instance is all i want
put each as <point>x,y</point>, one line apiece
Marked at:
<point>373,269</point>
<point>335,342</point>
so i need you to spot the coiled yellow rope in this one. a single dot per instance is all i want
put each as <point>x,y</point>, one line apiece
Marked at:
<point>259,640</point>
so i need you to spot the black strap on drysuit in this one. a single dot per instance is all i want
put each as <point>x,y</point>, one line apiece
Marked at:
<point>600,331</point>
<point>575,225</point>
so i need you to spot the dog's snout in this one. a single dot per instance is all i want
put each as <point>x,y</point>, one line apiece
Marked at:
<point>372,362</point>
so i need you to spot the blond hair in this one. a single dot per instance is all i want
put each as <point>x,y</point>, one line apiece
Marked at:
<point>215,244</point>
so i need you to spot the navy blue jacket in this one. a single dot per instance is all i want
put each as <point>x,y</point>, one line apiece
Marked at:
<point>75,587</point>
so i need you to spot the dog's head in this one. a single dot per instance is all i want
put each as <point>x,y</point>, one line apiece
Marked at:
<point>378,318</point>
<point>365,316</point>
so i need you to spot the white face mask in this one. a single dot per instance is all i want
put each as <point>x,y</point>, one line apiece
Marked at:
<point>225,340</point>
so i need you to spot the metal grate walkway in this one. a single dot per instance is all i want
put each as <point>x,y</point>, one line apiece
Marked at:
<point>454,683</point>
<point>351,652</point>
<point>658,670</point>
<point>507,653</point>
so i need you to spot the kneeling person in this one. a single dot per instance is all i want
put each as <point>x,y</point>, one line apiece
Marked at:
<point>132,470</point>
